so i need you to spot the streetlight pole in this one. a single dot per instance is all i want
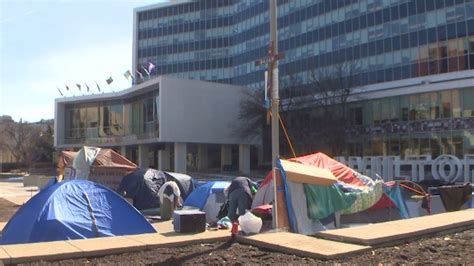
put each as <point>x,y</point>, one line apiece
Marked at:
<point>275,99</point>
<point>271,92</point>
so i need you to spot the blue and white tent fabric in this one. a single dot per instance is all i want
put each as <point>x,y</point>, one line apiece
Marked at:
<point>74,209</point>
<point>366,198</point>
<point>208,198</point>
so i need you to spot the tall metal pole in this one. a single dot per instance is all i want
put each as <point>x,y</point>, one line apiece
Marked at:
<point>274,104</point>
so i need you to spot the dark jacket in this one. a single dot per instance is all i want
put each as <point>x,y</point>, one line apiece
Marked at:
<point>240,182</point>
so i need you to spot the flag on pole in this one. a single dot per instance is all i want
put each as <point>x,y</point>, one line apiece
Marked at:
<point>140,74</point>
<point>146,71</point>
<point>128,75</point>
<point>78,86</point>
<point>59,91</point>
<point>150,67</point>
<point>98,88</point>
<point>87,86</point>
<point>109,80</point>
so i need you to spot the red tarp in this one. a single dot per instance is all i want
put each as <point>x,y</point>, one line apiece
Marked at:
<point>107,158</point>
<point>342,172</point>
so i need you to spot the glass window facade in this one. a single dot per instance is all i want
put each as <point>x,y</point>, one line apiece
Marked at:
<point>385,40</point>
<point>96,122</point>
<point>432,123</point>
<point>220,40</point>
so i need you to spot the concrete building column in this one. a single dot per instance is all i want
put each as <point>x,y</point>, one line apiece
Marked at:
<point>226,156</point>
<point>244,158</point>
<point>203,158</point>
<point>180,162</point>
<point>143,161</point>
<point>59,123</point>
<point>164,160</point>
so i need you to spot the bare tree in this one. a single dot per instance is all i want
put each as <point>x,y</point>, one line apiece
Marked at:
<point>313,112</point>
<point>333,89</point>
<point>27,143</point>
<point>317,118</point>
<point>252,114</point>
<point>253,120</point>
<point>16,138</point>
<point>42,149</point>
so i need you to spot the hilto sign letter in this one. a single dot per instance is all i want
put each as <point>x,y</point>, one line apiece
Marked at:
<point>416,168</point>
<point>447,167</point>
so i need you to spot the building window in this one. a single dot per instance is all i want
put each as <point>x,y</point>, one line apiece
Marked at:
<point>456,103</point>
<point>468,102</point>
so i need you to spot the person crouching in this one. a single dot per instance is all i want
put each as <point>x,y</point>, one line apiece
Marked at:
<point>240,197</point>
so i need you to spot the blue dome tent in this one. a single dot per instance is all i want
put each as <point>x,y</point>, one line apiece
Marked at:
<point>74,209</point>
<point>143,185</point>
<point>208,198</point>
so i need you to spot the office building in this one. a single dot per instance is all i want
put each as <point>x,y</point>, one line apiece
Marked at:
<point>164,123</point>
<point>413,61</point>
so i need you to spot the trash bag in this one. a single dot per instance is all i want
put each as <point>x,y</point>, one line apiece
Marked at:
<point>249,223</point>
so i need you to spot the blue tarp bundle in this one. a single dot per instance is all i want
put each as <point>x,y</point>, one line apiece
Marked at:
<point>74,209</point>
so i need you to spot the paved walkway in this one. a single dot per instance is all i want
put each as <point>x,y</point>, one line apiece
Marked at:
<point>15,192</point>
<point>58,250</point>
<point>301,245</point>
<point>395,231</point>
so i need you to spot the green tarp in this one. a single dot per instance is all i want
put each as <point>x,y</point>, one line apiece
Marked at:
<point>323,201</point>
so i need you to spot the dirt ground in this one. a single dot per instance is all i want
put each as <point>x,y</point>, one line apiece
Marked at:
<point>449,249</point>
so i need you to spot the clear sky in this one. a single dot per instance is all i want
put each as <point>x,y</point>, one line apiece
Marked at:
<point>45,44</point>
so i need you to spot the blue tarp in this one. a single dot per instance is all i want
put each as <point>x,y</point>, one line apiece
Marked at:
<point>74,209</point>
<point>198,197</point>
<point>395,195</point>
<point>289,205</point>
